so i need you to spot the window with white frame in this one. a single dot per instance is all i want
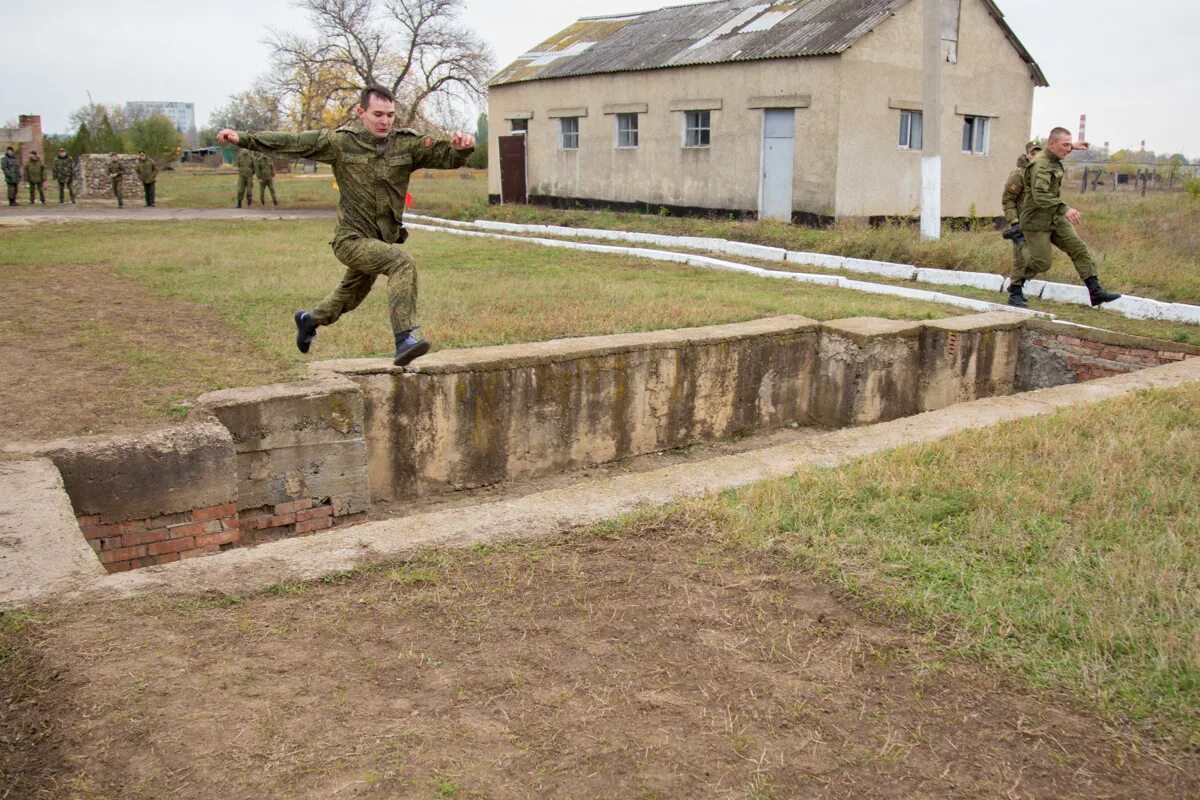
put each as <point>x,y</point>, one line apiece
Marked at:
<point>697,128</point>
<point>975,135</point>
<point>627,130</point>
<point>910,131</point>
<point>568,133</point>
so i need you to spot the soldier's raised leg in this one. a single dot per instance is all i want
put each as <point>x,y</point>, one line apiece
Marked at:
<point>1066,239</point>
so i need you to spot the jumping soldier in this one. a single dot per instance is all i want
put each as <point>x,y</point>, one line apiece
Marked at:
<point>372,162</point>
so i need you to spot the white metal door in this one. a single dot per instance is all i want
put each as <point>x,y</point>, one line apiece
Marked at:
<point>775,190</point>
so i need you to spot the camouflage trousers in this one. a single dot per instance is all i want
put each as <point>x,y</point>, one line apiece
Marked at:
<point>116,187</point>
<point>1020,256</point>
<point>245,189</point>
<point>1038,252</point>
<point>63,188</point>
<point>365,260</point>
<point>263,186</point>
<point>39,189</point>
<point>12,191</point>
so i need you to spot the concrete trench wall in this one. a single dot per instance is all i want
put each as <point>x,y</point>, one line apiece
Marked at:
<point>264,463</point>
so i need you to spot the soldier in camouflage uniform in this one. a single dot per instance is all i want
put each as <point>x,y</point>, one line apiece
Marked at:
<point>147,172</point>
<point>116,171</point>
<point>64,174</point>
<point>264,168</point>
<point>1014,195</point>
<point>245,168</point>
<point>11,167</point>
<point>1046,220</point>
<point>35,176</point>
<point>372,162</point>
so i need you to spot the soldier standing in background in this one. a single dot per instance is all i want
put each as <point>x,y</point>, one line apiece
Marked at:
<point>1046,220</point>
<point>1011,199</point>
<point>264,168</point>
<point>116,171</point>
<point>35,175</point>
<point>372,162</point>
<point>147,172</point>
<point>11,168</point>
<point>64,173</point>
<point>245,168</point>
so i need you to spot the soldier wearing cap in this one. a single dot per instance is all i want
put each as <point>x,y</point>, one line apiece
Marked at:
<point>35,176</point>
<point>64,174</point>
<point>245,168</point>
<point>1047,221</point>
<point>1014,194</point>
<point>372,162</point>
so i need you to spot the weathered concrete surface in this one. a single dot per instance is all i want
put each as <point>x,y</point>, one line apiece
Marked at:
<point>466,418</point>
<point>593,501</point>
<point>137,476</point>
<point>295,440</point>
<point>966,358</point>
<point>867,371</point>
<point>42,552</point>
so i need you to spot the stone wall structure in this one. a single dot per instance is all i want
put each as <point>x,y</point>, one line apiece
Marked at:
<point>269,462</point>
<point>92,180</point>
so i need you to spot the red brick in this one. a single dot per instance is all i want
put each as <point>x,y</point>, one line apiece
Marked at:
<point>314,513</point>
<point>214,512</point>
<point>292,506</point>
<point>145,537</point>
<point>213,526</point>
<point>167,520</point>
<point>261,511</point>
<point>95,543</point>
<point>228,537</point>
<point>231,524</point>
<point>122,554</point>
<point>150,561</point>
<point>1167,355</point>
<point>119,566</point>
<point>96,532</point>
<point>185,530</point>
<point>134,526</point>
<point>172,546</point>
<point>310,525</point>
<point>88,519</point>
<point>111,543</point>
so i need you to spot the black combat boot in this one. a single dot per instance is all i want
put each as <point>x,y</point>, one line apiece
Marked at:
<point>409,347</point>
<point>1097,293</point>
<point>1016,295</point>
<point>306,331</point>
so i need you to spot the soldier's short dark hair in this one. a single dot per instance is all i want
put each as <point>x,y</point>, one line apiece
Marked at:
<point>1059,133</point>
<point>364,99</point>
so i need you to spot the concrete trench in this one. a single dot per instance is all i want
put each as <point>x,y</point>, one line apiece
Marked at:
<point>278,482</point>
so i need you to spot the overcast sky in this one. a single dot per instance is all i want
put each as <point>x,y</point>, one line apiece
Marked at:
<point>1132,68</point>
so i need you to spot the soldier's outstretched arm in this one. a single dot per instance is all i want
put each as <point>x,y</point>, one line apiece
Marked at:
<point>317,145</point>
<point>442,153</point>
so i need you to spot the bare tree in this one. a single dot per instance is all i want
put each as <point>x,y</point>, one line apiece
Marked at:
<point>257,109</point>
<point>417,48</point>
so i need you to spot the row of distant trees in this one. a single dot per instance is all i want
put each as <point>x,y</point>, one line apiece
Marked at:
<point>1166,166</point>
<point>100,129</point>
<point>419,49</point>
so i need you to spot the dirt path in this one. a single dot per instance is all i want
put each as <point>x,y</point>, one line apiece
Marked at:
<point>657,664</point>
<point>87,340</point>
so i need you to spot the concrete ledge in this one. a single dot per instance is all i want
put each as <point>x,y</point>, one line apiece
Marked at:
<point>296,440</point>
<point>119,478</point>
<point>866,371</point>
<point>967,358</point>
<point>587,503</point>
<point>42,552</point>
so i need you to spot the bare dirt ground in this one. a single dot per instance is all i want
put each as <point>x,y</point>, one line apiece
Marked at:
<point>654,664</point>
<point>74,322</point>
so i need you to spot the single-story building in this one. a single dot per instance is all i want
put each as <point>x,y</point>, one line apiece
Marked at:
<point>808,110</point>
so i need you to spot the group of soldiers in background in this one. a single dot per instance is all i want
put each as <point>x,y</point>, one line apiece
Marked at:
<point>65,171</point>
<point>255,165</point>
<point>1038,219</point>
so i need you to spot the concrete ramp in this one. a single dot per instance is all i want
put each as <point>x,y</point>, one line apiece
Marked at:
<point>42,552</point>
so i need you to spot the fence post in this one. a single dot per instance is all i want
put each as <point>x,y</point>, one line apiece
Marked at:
<point>1083,189</point>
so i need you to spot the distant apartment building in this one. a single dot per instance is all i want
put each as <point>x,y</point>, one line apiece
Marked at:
<point>182,115</point>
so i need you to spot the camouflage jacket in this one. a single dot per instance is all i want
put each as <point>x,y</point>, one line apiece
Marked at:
<point>64,169</point>
<point>1042,184</point>
<point>371,173</point>
<point>12,169</point>
<point>245,164</point>
<point>115,168</point>
<point>35,172</point>
<point>264,167</point>
<point>146,169</point>
<point>1014,191</point>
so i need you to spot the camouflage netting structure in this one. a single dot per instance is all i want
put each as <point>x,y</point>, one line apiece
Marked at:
<point>91,177</point>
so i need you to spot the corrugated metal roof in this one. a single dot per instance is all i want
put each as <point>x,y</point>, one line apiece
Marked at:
<point>712,33</point>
